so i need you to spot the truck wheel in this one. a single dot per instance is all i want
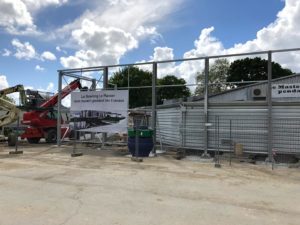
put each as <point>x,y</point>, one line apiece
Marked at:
<point>33,140</point>
<point>12,139</point>
<point>51,136</point>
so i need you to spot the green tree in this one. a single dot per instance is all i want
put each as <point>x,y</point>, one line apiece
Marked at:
<point>143,96</point>
<point>137,77</point>
<point>254,69</point>
<point>217,76</point>
<point>172,92</point>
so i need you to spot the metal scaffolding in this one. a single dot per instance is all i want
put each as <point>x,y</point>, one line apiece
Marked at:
<point>61,76</point>
<point>154,87</point>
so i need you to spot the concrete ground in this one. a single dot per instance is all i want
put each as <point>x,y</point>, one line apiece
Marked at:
<point>46,186</point>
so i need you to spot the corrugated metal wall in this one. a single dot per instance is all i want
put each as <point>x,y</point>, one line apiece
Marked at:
<point>168,126</point>
<point>245,93</point>
<point>183,126</point>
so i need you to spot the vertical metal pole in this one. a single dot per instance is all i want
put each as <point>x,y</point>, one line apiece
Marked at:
<point>154,78</point>
<point>75,141</point>
<point>60,75</point>
<point>217,157</point>
<point>136,153</point>
<point>105,78</point>
<point>16,136</point>
<point>269,100</point>
<point>94,84</point>
<point>218,139</point>
<point>128,79</point>
<point>230,137</point>
<point>17,133</point>
<point>182,125</point>
<point>93,88</point>
<point>105,86</point>
<point>206,155</point>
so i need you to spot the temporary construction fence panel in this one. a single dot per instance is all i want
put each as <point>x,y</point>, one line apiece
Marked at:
<point>243,123</point>
<point>168,126</point>
<point>193,127</point>
<point>248,127</point>
<point>286,128</point>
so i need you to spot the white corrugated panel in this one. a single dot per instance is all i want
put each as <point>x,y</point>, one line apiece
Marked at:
<point>184,127</point>
<point>168,126</point>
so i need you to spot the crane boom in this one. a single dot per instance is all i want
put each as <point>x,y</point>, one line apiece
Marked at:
<point>66,91</point>
<point>10,110</point>
<point>41,123</point>
<point>18,88</point>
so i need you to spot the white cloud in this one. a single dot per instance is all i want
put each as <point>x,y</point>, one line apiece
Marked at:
<point>39,68</point>
<point>58,49</point>
<point>143,32</point>
<point>205,45</point>
<point>98,31</point>
<point>50,87</point>
<point>6,52</point>
<point>17,16</point>
<point>99,45</point>
<point>34,5</point>
<point>76,61</point>
<point>161,54</point>
<point>127,15</point>
<point>282,33</point>
<point>3,82</point>
<point>23,50</point>
<point>48,56</point>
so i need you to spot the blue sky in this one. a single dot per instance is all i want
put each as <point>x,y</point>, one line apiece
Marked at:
<point>38,37</point>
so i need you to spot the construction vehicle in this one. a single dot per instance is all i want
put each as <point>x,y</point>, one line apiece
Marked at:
<point>42,121</point>
<point>9,111</point>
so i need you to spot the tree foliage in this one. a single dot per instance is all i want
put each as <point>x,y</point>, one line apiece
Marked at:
<point>137,77</point>
<point>254,69</point>
<point>217,76</point>
<point>143,96</point>
<point>248,69</point>
<point>172,92</point>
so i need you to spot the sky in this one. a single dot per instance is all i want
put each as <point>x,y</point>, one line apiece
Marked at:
<point>38,37</point>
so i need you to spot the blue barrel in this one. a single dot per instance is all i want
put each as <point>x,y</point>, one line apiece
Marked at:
<point>145,146</point>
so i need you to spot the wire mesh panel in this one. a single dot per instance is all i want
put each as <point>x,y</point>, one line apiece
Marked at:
<point>248,129</point>
<point>183,126</point>
<point>286,135</point>
<point>250,134</point>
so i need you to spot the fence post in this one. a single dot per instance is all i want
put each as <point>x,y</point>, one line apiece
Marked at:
<point>105,86</point>
<point>230,137</point>
<point>154,78</point>
<point>60,75</point>
<point>93,88</point>
<point>205,154</point>
<point>182,125</point>
<point>270,108</point>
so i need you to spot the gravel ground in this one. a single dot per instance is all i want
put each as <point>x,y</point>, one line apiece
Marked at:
<point>47,186</point>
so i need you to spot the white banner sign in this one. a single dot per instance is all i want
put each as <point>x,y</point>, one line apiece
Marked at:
<point>286,90</point>
<point>100,111</point>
